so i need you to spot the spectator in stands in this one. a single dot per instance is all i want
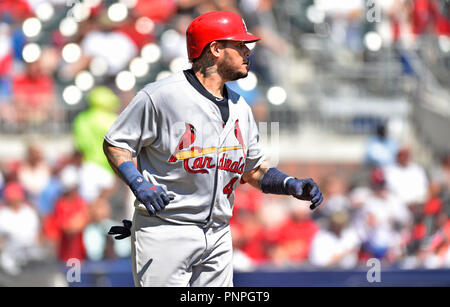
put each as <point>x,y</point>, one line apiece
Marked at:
<point>381,149</point>
<point>19,230</point>
<point>89,127</point>
<point>440,180</point>
<point>407,179</point>
<point>271,216</point>
<point>34,95</point>
<point>54,189</point>
<point>441,15</point>
<point>382,222</point>
<point>336,246</point>
<point>428,237</point>
<point>294,237</point>
<point>160,11</point>
<point>434,253</point>
<point>416,241</point>
<point>100,38</point>
<point>34,173</point>
<point>173,45</point>
<point>66,224</point>
<point>346,19</point>
<point>246,227</point>
<point>247,198</point>
<point>98,244</point>
<point>139,29</point>
<point>102,41</point>
<point>426,16</point>
<point>336,196</point>
<point>358,197</point>
<point>438,201</point>
<point>249,242</point>
<point>15,9</point>
<point>198,7</point>
<point>50,194</point>
<point>6,61</point>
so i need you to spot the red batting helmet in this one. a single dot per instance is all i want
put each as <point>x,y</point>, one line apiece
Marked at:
<point>215,26</point>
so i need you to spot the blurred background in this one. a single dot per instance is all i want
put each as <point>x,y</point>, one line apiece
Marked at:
<point>352,93</point>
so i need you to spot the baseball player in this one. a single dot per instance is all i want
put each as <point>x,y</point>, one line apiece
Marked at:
<point>194,140</point>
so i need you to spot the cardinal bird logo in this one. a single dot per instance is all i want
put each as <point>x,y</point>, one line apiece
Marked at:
<point>197,160</point>
<point>186,140</point>
<point>238,134</point>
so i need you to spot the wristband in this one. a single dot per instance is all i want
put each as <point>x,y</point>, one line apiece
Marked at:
<point>286,180</point>
<point>130,174</point>
<point>274,182</point>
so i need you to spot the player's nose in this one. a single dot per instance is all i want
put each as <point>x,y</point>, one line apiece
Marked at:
<point>247,51</point>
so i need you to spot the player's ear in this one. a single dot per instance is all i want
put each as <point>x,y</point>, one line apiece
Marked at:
<point>215,47</point>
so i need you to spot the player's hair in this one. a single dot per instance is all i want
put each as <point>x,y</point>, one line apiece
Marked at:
<point>204,61</point>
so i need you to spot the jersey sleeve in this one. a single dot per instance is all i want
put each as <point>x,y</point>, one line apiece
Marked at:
<point>136,126</point>
<point>255,154</point>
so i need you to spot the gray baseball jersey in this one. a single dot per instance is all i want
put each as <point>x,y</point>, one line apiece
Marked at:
<point>178,136</point>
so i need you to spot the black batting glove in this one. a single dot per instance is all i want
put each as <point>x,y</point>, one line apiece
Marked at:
<point>305,189</point>
<point>121,232</point>
<point>154,198</point>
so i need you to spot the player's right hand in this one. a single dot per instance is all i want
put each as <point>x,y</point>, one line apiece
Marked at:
<point>153,197</point>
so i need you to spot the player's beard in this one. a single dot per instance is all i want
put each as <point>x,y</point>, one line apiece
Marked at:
<point>229,73</point>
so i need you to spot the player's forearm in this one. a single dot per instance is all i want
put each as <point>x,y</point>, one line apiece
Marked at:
<point>151,196</point>
<point>272,181</point>
<point>121,162</point>
<point>254,177</point>
<point>116,156</point>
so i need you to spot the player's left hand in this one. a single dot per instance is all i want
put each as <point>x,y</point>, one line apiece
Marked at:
<point>305,189</point>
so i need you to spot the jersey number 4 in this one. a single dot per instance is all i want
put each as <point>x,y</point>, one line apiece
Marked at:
<point>228,189</point>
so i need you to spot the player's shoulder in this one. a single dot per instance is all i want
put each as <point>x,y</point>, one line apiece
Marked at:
<point>240,104</point>
<point>237,99</point>
<point>166,84</point>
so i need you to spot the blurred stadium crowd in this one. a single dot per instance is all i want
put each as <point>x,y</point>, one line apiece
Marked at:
<point>398,213</point>
<point>70,66</point>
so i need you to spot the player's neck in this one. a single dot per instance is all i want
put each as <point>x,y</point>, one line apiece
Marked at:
<point>213,83</point>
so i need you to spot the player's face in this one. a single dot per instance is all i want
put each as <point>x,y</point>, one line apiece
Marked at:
<point>234,63</point>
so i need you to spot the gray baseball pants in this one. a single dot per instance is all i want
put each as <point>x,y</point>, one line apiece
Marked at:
<point>164,254</point>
